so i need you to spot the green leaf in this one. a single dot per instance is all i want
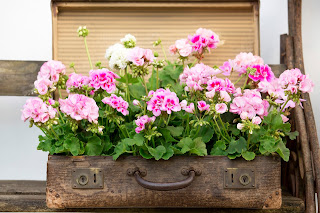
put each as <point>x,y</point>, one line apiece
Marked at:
<point>119,150</point>
<point>94,146</point>
<point>139,139</point>
<point>235,131</point>
<point>158,152</point>
<point>199,147</point>
<point>292,135</point>
<point>237,146</point>
<point>283,151</point>
<point>145,153</point>
<point>219,148</point>
<point>248,155</point>
<point>167,135</point>
<point>169,152</point>
<point>206,132</point>
<point>131,80</point>
<point>185,144</point>
<point>73,145</point>
<point>175,131</point>
<point>234,156</point>
<point>137,91</point>
<point>267,144</point>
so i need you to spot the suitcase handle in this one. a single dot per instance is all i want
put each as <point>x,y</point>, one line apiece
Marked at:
<point>163,186</point>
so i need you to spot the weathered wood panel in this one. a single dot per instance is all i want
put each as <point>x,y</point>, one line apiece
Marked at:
<point>156,1</point>
<point>278,68</point>
<point>121,190</point>
<point>17,77</point>
<point>29,196</point>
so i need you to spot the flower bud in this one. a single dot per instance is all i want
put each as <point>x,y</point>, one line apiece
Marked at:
<point>156,54</point>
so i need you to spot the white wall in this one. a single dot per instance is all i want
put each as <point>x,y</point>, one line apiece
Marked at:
<point>26,35</point>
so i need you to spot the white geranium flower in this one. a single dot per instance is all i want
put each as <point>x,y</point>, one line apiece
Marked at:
<point>117,56</point>
<point>129,41</point>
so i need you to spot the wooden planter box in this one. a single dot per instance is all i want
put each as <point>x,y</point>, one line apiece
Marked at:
<point>182,181</point>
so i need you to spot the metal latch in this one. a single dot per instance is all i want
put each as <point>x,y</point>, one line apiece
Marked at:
<point>239,178</point>
<point>87,178</point>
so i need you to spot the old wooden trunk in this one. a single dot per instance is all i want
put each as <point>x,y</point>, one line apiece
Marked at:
<point>182,181</point>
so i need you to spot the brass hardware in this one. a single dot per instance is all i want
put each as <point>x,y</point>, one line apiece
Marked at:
<point>239,178</point>
<point>86,178</point>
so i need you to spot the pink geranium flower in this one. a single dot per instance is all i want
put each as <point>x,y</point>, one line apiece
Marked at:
<point>80,107</point>
<point>142,121</point>
<point>117,103</point>
<point>103,79</point>
<point>77,81</point>
<point>263,73</point>
<point>37,110</point>
<point>140,57</point>
<point>221,108</point>
<point>163,101</point>
<point>203,106</point>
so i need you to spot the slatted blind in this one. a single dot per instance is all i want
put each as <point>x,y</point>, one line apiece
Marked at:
<point>236,27</point>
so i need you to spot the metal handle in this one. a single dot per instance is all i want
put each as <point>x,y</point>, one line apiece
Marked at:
<point>163,186</point>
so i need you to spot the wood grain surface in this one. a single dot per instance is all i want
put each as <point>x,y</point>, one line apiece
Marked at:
<point>121,190</point>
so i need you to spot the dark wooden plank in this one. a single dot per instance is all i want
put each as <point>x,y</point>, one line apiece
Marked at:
<point>169,1</point>
<point>17,77</point>
<point>37,203</point>
<point>22,187</point>
<point>278,68</point>
<point>208,189</point>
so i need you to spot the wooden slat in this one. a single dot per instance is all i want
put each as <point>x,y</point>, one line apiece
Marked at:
<point>14,199</point>
<point>236,23</point>
<point>17,77</point>
<point>156,1</point>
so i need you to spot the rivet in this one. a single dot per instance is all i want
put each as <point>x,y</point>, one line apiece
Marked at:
<point>50,190</point>
<point>277,193</point>
<point>270,197</point>
<point>267,205</point>
<point>252,185</point>
<point>226,170</point>
<point>57,195</point>
<point>74,185</point>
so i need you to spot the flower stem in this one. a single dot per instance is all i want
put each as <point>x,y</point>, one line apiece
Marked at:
<point>282,108</point>
<point>168,119</point>
<point>194,62</point>
<point>124,134</point>
<point>220,129</point>
<point>238,79</point>
<point>127,85</point>
<point>145,85</point>
<point>245,82</point>
<point>157,78</point>
<point>164,52</point>
<point>248,141</point>
<point>60,116</point>
<point>224,128</point>
<point>60,96</point>
<point>187,129</point>
<point>55,134</point>
<point>86,45</point>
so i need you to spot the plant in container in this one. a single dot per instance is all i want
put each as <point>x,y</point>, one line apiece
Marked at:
<point>155,118</point>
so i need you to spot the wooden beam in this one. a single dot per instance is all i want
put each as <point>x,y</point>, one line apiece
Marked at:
<point>277,68</point>
<point>17,77</point>
<point>29,196</point>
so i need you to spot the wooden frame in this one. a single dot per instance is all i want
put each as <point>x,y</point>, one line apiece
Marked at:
<point>58,5</point>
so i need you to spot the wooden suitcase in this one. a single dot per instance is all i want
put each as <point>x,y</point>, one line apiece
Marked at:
<point>183,181</point>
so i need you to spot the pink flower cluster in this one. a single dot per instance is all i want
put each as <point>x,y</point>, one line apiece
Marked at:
<point>48,75</point>
<point>197,77</point>
<point>263,73</point>
<point>37,110</point>
<point>77,81</point>
<point>117,103</point>
<point>140,57</point>
<point>250,105</point>
<point>104,79</point>
<point>204,39</point>
<point>163,100</point>
<point>293,80</point>
<point>203,106</point>
<point>182,47</point>
<point>80,107</point>
<point>188,108</point>
<point>218,84</point>
<point>240,63</point>
<point>142,121</point>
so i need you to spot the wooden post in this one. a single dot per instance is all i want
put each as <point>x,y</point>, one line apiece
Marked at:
<point>294,12</point>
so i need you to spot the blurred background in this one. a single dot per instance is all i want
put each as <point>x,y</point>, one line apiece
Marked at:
<point>26,34</point>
